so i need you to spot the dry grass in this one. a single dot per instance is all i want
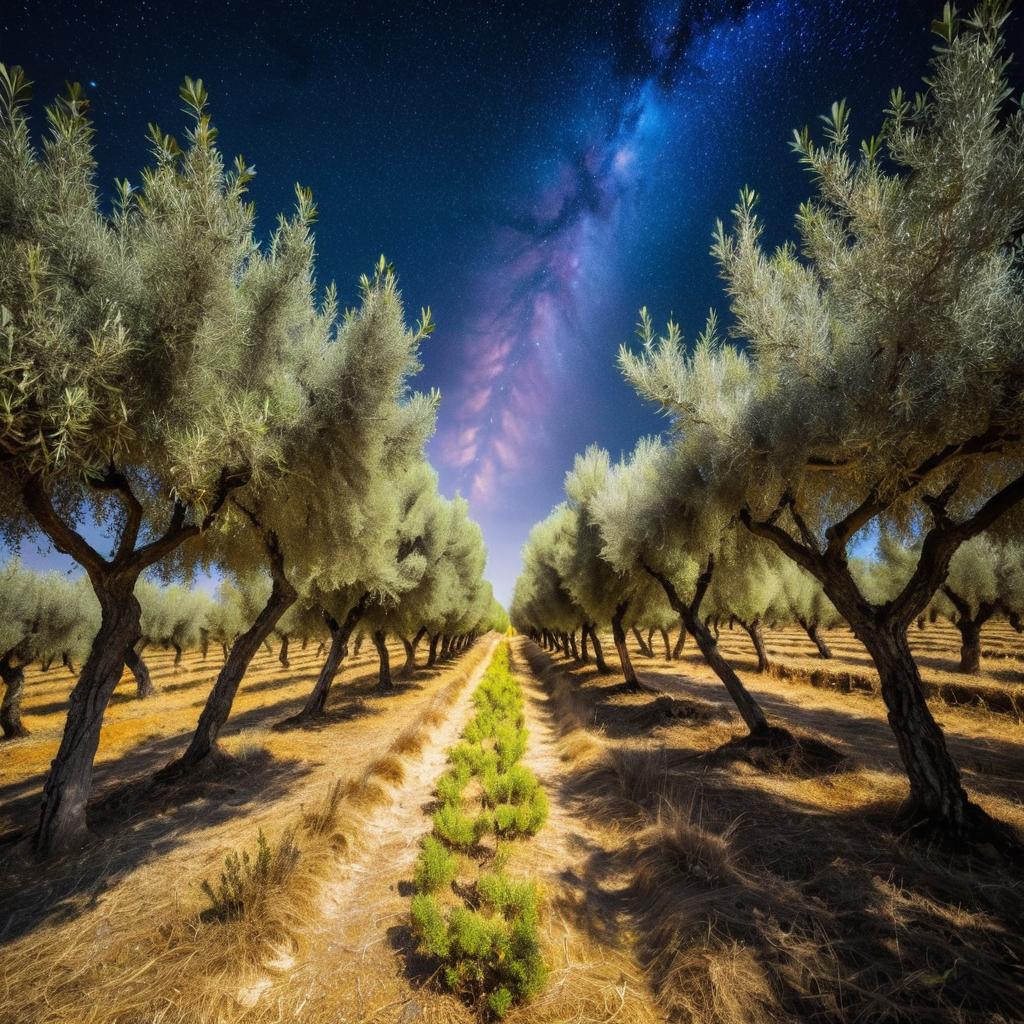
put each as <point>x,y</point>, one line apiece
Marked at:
<point>151,950</point>
<point>773,890</point>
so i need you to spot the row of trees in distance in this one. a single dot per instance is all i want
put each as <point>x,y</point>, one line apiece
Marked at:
<point>168,374</point>
<point>874,383</point>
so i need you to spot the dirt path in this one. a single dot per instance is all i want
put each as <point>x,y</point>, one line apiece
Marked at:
<point>354,968</point>
<point>594,978</point>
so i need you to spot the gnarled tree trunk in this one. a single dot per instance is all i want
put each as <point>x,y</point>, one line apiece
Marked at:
<point>12,673</point>
<point>645,651</point>
<point>410,651</point>
<point>384,680</point>
<point>811,629</point>
<point>584,648</point>
<point>140,670</point>
<point>749,709</point>
<point>599,662</point>
<point>316,703</point>
<point>677,651</point>
<point>969,624</point>
<point>283,655</point>
<point>668,644</point>
<point>177,653</point>
<point>572,646</point>
<point>936,792</point>
<point>629,675</point>
<point>753,629</point>
<point>62,822</point>
<point>221,698</point>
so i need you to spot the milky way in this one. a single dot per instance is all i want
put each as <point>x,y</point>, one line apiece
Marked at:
<point>552,264</point>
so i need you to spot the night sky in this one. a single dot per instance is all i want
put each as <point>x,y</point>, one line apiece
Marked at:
<point>535,172</point>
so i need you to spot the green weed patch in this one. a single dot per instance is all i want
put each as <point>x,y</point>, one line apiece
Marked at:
<point>485,933</point>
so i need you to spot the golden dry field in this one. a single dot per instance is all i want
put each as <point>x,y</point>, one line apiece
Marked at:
<point>684,873</point>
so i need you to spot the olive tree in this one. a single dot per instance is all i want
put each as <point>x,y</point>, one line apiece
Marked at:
<point>879,378</point>
<point>145,375</point>
<point>43,616</point>
<point>802,600</point>
<point>19,600</point>
<point>225,618</point>
<point>655,518</point>
<point>357,428</point>
<point>174,616</point>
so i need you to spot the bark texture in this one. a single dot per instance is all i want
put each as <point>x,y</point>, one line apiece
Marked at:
<point>13,675</point>
<point>384,680</point>
<point>140,670</point>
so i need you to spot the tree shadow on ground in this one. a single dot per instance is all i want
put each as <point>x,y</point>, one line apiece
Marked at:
<point>133,823</point>
<point>782,900</point>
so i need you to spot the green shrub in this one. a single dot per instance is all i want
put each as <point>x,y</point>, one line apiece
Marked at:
<point>435,866</point>
<point>493,952</point>
<point>517,785</point>
<point>458,829</point>
<point>510,898</point>
<point>499,1002</point>
<point>471,758</point>
<point>450,786</point>
<point>245,880</point>
<point>429,926</point>
<point>524,966</point>
<point>521,819</point>
<point>510,744</point>
<point>475,937</point>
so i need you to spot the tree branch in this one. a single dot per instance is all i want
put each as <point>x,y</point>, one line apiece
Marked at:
<point>940,544</point>
<point>804,556</point>
<point>988,442</point>
<point>114,480</point>
<point>64,538</point>
<point>177,532</point>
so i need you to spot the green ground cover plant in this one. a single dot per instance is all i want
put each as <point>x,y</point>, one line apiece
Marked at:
<point>484,933</point>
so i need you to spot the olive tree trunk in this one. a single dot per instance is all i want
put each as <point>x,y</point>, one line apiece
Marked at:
<point>938,805</point>
<point>384,680</point>
<point>749,709</point>
<point>316,703</point>
<point>140,670</point>
<point>221,698</point>
<point>12,673</point>
<point>584,645</point>
<point>645,651</point>
<point>677,651</point>
<point>602,665</point>
<point>753,630</point>
<point>432,650</point>
<point>629,675</point>
<point>969,624</point>
<point>62,823</point>
<point>811,629</point>
<point>410,651</point>
<point>668,644</point>
<point>283,655</point>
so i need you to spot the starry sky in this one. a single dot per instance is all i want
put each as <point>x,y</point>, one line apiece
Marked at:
<point>536,172</point>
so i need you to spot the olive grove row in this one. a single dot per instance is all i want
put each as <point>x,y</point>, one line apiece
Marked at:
<point>200,395</point>
<point>875,385</point>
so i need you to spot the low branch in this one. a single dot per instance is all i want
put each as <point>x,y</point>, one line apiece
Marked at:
<point>64,537</point>
<point>115,481</point>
